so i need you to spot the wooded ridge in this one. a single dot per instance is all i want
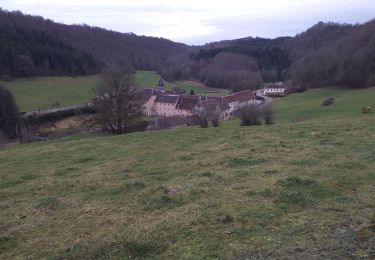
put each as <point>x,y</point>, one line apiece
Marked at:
<point>327,54</point>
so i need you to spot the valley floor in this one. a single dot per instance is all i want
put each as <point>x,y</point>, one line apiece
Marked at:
<point>46,92</point>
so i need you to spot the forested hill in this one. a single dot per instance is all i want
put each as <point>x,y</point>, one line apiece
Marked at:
<point>31,45</point>
<point>327,54</point>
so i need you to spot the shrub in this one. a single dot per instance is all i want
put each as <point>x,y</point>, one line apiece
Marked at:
<point>203,122</point>
<point>138,125</point>
<point>366,109</point>
<point>10,122</point>
<point>227,219</point>
<point>268,114</point>
<point>328,101</point>
<point>250,115</point>
<point>215,122</point>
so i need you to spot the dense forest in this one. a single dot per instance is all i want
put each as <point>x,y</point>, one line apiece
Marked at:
<point>31,45</point>
<point>239,64</point>
<point>326,54</point>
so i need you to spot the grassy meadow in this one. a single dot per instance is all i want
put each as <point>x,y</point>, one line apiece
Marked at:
<point>42,92</point>
<point>297,189</point>
<point>305,106</point>
<point>150,78</point>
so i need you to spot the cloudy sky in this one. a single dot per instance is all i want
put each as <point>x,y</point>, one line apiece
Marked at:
<point>199,21</point>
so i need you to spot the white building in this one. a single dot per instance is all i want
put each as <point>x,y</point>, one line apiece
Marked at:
<point>275,89</point>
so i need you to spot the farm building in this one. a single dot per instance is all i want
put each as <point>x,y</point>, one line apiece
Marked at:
<point>162,103</point>
<point>275,89</point>
<point>165,105</point>
<point>239,100</point>
<point>186,104</point>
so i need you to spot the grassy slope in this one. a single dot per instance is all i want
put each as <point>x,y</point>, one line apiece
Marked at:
<point>41,92</point>
<point>307,105</point>
<point>288,190</point>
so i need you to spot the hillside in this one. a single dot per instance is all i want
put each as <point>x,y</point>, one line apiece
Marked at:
<point>289,190</point>
<point>307,106</point>
<point>327,54</point>
<point>31,45</point>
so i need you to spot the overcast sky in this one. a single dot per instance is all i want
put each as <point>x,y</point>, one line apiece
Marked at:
<point>199,21</point>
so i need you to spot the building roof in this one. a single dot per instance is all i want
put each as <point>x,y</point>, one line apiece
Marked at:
<point>171,99</point>
<point>171,92</point>
<point>241,96</point>
<point>213,101</point>
<point>187,102</point>
<point>219,99</point>
<point>146,94</point>
<point>275,85</point>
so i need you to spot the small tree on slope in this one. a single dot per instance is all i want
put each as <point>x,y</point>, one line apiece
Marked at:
<point>119,103</point>
<point>9,116</point>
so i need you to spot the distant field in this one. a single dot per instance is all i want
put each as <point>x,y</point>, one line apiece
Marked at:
<point>287,191</point>
<point>150,79</point>
<point>307,105</point>
<point>41,92</point>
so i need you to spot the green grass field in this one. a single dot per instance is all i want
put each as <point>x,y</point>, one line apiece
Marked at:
<point>150,78</point>
<point>307,105</point>
<point>42,92</point>
<point>297,189</point>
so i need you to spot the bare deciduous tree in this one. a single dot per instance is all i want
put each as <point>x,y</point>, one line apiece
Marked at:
<point>268,114</point>
<point>208,111</point>
<point>118,103</point>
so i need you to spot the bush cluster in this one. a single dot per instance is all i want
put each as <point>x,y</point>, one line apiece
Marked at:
<point>256,114</point>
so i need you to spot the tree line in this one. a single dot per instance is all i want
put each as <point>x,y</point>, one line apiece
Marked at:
<point>326,54</point>
<point>32,45</point>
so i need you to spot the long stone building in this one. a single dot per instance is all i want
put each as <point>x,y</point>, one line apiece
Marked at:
<point>158,102</point>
